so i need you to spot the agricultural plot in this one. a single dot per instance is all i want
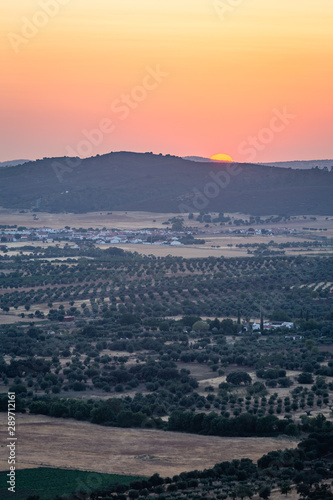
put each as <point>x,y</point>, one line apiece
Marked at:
<point>47,483</point>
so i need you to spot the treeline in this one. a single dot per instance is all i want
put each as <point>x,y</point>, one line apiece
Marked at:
<point>325,242</point>
<point>244,425</point>
<point>141,411</point>
<point>112,412</point>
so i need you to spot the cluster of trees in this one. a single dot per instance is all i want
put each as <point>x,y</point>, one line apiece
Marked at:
<point>244,425</point>
<point>114,412</point>
<point>139,412</point>
<point>156,352</point>
<point>324,243</point>
<point>169,286</point>
<point>207,217</point>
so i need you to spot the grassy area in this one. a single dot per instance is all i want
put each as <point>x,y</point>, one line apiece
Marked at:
<point>47,483</point>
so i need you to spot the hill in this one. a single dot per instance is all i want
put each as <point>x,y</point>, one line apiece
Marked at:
<point>300,164</point>
<point>12,163</point>
<point>197,158</point>
<point>156,183</point>
<point>303,164</point>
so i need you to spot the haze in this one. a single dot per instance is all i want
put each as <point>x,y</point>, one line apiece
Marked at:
<point>224,72</point>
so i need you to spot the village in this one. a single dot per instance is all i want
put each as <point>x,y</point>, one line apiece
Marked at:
<point>12,234</point>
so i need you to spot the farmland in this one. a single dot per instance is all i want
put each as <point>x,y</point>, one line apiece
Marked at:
<point>84,446</point>
<point>44,482</point>
<point>164,363</point>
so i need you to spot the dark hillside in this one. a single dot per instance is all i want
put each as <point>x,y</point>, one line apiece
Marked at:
<point>156,183</point>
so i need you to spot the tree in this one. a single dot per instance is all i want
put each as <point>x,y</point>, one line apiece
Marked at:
<point>215,324</point>
<point>303,489</point>
<point>128,319</point>
<point>103,414</point>
<point>228,327</point>
<point>239,378</point>
<point>18,388</point>
<point>164,326</point>
<point>127,418</point>
<point>156,480</point>
<point>310,344</point>
<point>280,316</point>
<point>39,407</point>
<point>265,492</point>
<point>321,492</point>
<point>305,378</point>
<point>177,224</point>
<point>244,491</point>
<point>285,488</point>
<point>190,320</point>
<point>200,326</point>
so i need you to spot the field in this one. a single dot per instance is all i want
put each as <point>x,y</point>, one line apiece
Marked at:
<point>47,482</point>
<point>188,252</point>
<point>50,442</point>
<point>139,220</point>
<point>210,250</point>
<point>121,220</point>
<point>8,319</point>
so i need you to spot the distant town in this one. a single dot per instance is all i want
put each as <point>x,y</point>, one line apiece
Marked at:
<point>115,236</point>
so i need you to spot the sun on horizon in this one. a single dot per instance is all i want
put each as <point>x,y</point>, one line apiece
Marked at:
<point>221,157</point>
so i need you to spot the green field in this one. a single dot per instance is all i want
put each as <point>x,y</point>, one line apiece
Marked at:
<point>47,483</point>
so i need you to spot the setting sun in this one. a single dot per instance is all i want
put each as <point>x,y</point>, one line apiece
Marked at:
<point>221,157</point>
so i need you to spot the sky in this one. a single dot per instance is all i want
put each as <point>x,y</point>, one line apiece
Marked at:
<point>248,78</point>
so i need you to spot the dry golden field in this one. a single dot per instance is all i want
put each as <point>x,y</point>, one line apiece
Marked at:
<point>187,252</point>
<point>139,220</point>
<point>80,445</point>
<point>204,251</point>
<point>11,319</point>
<point>120,220</point>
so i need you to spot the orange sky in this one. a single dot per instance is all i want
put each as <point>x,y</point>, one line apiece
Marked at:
<point>206,77</point>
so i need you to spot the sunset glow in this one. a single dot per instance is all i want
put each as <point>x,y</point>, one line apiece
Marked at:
<point>172,77</point>
<point>221,157</point>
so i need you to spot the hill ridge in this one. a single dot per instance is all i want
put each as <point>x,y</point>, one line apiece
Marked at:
<point>156,183</point>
